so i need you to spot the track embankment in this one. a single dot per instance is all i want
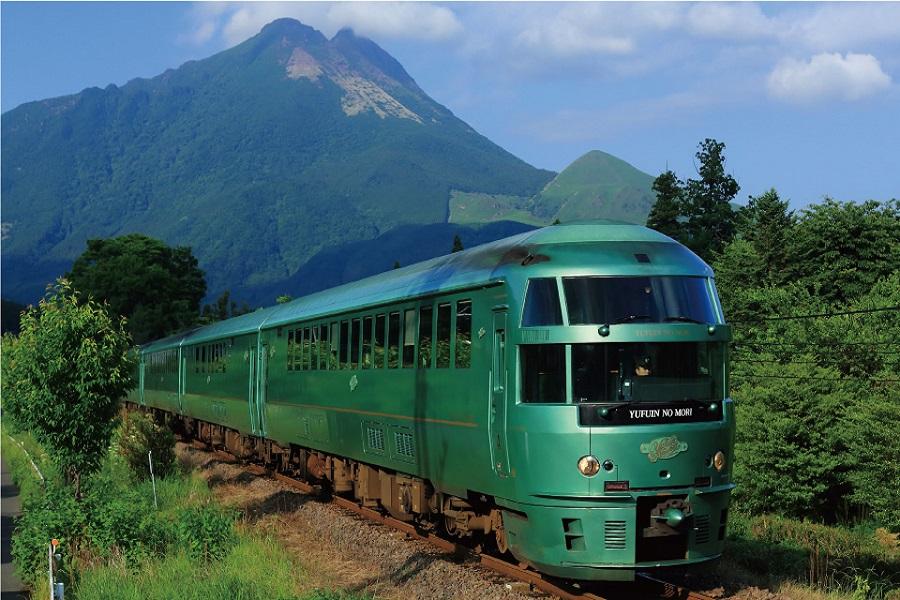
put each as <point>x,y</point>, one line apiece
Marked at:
<point>359,550</point>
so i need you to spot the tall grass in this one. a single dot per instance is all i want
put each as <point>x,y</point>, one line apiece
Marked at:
<point>855,563</point>
<point>117,544</point>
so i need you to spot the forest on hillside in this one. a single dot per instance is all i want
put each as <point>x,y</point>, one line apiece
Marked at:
<point>813,297</point>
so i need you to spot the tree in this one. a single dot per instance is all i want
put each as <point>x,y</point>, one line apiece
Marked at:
<point>64,377</point>
<point>840,249</point>
<point>156,287</point>
<point>457,244</point>
<point>223,308</point>
<point>396,264</point>
<point>284,299</point>
<point>664,215</point>
<point>766,223</point>
<point>707,202</point>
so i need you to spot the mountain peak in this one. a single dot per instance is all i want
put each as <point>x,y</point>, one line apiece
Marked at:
<point>292,28</point>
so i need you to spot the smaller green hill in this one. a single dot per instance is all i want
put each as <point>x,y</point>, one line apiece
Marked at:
<point>596,186</point>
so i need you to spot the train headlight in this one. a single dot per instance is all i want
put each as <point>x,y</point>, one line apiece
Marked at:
<point>719,461</point>
<point>588,465</point>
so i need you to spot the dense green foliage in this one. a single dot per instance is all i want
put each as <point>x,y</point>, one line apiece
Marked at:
<point>157,288</point>
<point>140,435</point>
<point>815,359</point>
<point>697,212</point>
<point>115,544</point>
<point>253,167</point>
<point>223,308</point>
<point>64,377</point>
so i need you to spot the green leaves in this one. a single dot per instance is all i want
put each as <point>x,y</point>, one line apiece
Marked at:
<point>64,376</point>
<point>816,396</point>
<point>156,287</point>
<point>697,212</point>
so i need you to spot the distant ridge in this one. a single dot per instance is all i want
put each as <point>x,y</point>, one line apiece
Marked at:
<point>596,186</point>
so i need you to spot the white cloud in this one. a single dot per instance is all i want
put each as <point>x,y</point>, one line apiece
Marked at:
<point>826,76</point>
<point>737,20</point>
<point>397,19</point>
<point>845,25</point>
<point>584,29</point>
<point>236,22</point>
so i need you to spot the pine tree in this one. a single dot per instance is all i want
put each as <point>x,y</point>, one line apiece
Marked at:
<point>664,215</point>
<point>457,244</point>
<point>766,223</point>
<point>710,218</point>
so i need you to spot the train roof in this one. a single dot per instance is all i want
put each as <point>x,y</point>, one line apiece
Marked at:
<point>482,265</point>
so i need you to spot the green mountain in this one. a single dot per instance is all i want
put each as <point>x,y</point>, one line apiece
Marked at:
<point>260,158</point>
<point>596,186</point>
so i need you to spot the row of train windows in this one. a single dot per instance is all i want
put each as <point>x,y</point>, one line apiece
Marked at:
<point>411,338</point>
<point>163,363</point>
<point>210,358</point>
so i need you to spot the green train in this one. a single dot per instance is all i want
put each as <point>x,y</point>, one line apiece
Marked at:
<point>562,393</point>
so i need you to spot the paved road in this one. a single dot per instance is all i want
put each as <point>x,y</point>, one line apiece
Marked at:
<point>11,587</point>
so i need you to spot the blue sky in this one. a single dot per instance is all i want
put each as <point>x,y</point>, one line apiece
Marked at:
<point>805,95</point>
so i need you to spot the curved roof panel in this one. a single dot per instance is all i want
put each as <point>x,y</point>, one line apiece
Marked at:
<point>481,265</point>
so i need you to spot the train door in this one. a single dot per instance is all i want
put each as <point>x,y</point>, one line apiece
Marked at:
<point>182,376</point>
<point>497,419</point>
<point>259,358</point>
<point>141,381</point>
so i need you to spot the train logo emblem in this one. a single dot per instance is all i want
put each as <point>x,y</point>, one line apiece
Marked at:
<point>663,448</point>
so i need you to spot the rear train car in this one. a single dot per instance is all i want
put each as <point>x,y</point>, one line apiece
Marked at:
<point>563,391</point>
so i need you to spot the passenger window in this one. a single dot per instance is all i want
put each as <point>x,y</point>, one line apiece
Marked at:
<point>323,347</point>
<point>379,342</point>
<point>425,316</point>
<point>463,334</point>
<point>367,343</point>
<point>409,338</point>
<point>394,340</point>
<point>542,303</point>
<point>290,350</point>
<point>442,349</point>
<point>307,349</point>
<point>543,370</point>
<point>345,344</point>
<point>354,344</point>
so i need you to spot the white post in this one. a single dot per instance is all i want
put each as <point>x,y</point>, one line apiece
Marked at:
<point>152,478</point>
<point>50,568</point>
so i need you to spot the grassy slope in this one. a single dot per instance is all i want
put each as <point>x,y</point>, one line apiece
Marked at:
<point>596,186</point>
<point>130,566</point>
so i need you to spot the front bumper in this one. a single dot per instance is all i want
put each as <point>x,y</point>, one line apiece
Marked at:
<point>605,538</point>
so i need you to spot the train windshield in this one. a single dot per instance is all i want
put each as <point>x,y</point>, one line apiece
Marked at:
<point>611,300</point>
<point>645,372</point>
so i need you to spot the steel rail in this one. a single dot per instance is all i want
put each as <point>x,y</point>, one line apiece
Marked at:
<point>644,586</point>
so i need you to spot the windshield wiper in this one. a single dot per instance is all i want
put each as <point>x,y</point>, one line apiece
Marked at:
<point>682,319</point>
<point>632,318</point>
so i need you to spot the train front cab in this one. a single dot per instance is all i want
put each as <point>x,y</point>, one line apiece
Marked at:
<point>621,433</point>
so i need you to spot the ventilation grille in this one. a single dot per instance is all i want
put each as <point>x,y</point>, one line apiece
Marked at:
<point>702,528</point>
<point>375,438</point>
<point>404,444</point>
<point>614,535</point>
<point>573,534</point>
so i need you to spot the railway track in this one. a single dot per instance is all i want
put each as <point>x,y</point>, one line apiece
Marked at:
<point>645,586</point>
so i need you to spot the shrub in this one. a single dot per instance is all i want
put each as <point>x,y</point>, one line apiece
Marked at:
<point>53,514</point>
<point>205,531</point>
<point>140,435</point>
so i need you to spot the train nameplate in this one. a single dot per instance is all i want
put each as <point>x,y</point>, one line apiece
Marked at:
<point>643,413</point>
